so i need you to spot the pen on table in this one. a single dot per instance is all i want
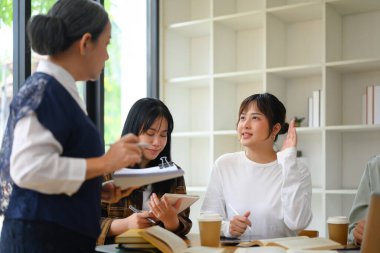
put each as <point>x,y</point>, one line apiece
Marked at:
<point>135,210</point>
<point>236,213</point>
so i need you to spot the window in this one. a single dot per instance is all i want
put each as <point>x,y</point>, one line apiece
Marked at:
<point>125,77</point>
<point>6,62</point>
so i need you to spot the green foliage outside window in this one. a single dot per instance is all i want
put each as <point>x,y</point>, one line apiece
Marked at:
<point>6,9</point>
<point>112,89</point>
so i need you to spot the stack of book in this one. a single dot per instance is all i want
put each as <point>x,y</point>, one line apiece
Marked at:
<point>158,239</point>
<point>132,239</point>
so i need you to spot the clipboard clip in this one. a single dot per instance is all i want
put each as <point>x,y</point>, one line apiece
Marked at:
<point>165,163</point>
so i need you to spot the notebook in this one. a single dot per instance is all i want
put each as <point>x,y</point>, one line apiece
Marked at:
<point>371,237</point>
<point>186,200</point>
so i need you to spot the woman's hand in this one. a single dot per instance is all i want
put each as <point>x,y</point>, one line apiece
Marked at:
<point>163,211</point>
<point>359,231</point>
<point>291,137</point>
<point>112,193</point>
<point>136,220</point>
<point>239,224</point>
<point>123,153</point>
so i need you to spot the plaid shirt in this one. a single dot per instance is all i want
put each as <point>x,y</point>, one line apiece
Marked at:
<point>120,210</point>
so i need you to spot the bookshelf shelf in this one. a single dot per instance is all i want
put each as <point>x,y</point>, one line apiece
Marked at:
<point>215,53</point>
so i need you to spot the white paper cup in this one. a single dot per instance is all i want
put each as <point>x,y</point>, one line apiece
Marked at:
<point>209,229</point>
<point>338,229</point>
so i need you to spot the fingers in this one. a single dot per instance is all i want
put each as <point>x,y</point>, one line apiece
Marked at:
<point>128,191</point>
<point>157,206</point>
<point>110,193</point>
<point>239,224</point>
<point>130,138</point>
<point>247,221</point>
<point>141,220</point>
<point>291,137</point>
<point>359,231</point>
<point>123,153</point>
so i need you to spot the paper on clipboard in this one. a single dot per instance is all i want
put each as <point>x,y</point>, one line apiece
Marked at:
<point>126,177</point>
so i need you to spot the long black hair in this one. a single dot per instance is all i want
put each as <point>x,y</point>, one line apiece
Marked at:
<point>271,107</point>
<point>140,118</point>
<point>66,22</point>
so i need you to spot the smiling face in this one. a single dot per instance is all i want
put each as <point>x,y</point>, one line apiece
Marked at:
<point>253,127</point>
<point>157,136</point>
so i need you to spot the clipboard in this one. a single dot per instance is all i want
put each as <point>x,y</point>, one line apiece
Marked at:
<point>127,177</point>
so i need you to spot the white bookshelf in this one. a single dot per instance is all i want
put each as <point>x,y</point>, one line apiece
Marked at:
<point>214,53</point>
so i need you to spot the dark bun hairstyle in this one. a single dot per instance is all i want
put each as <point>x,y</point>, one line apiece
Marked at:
<point>66,22</point>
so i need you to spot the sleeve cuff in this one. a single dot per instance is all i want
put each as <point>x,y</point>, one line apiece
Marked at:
<point>105,226</point>
<point>225,230</point>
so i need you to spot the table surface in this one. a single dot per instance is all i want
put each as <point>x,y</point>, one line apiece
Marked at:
<point>191,240</point>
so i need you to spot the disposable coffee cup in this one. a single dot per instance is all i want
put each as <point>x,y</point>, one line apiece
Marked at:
<point>209,229</point>
<point>338,229</point>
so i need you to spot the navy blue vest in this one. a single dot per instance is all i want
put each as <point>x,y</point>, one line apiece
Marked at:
<point>78,136</point>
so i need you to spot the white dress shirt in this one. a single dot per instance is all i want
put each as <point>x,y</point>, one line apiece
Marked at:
<point>35,162</point>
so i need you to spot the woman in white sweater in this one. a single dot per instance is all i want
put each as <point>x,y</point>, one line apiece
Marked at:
<point>259,192</point>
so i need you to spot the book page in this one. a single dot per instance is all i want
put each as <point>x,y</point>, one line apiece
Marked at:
<point>186,200</point>
<point>202,249</point>
<point>130,236</point>
<point>261,250</point>
<point>310,251</point>
<point>164,240</point>
<point>274,249</point>
<point>264,242</point>
<point>307,243</point>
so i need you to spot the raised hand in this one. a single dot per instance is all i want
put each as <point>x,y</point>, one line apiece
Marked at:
<point>291,137</point>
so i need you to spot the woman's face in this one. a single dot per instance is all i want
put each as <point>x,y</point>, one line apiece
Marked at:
<point>98,54</point>
<point>253,126</point>
<point>157,137</point>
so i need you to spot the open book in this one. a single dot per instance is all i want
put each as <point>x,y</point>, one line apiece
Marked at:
<point>186,200</point>
<point>126,177</point>
<point>131,236</point>
<point>274,249</point>
<point>296,242</point>
<point>168,242</point>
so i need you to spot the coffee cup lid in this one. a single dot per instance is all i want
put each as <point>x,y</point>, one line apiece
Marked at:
<point>338,220</point>
<point>209,216</point>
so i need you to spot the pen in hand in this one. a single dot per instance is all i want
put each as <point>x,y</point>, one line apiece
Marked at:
<point>236,213</point>
<point>143,145</point>
<point>135,210</point>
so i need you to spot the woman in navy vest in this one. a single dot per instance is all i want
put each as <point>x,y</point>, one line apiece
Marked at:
<point>152,122</point>
<point>52,155</point>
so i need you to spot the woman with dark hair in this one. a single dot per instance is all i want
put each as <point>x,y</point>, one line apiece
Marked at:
<point>266,191</point>
<point>52,157</point>
<point>152,122</point>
